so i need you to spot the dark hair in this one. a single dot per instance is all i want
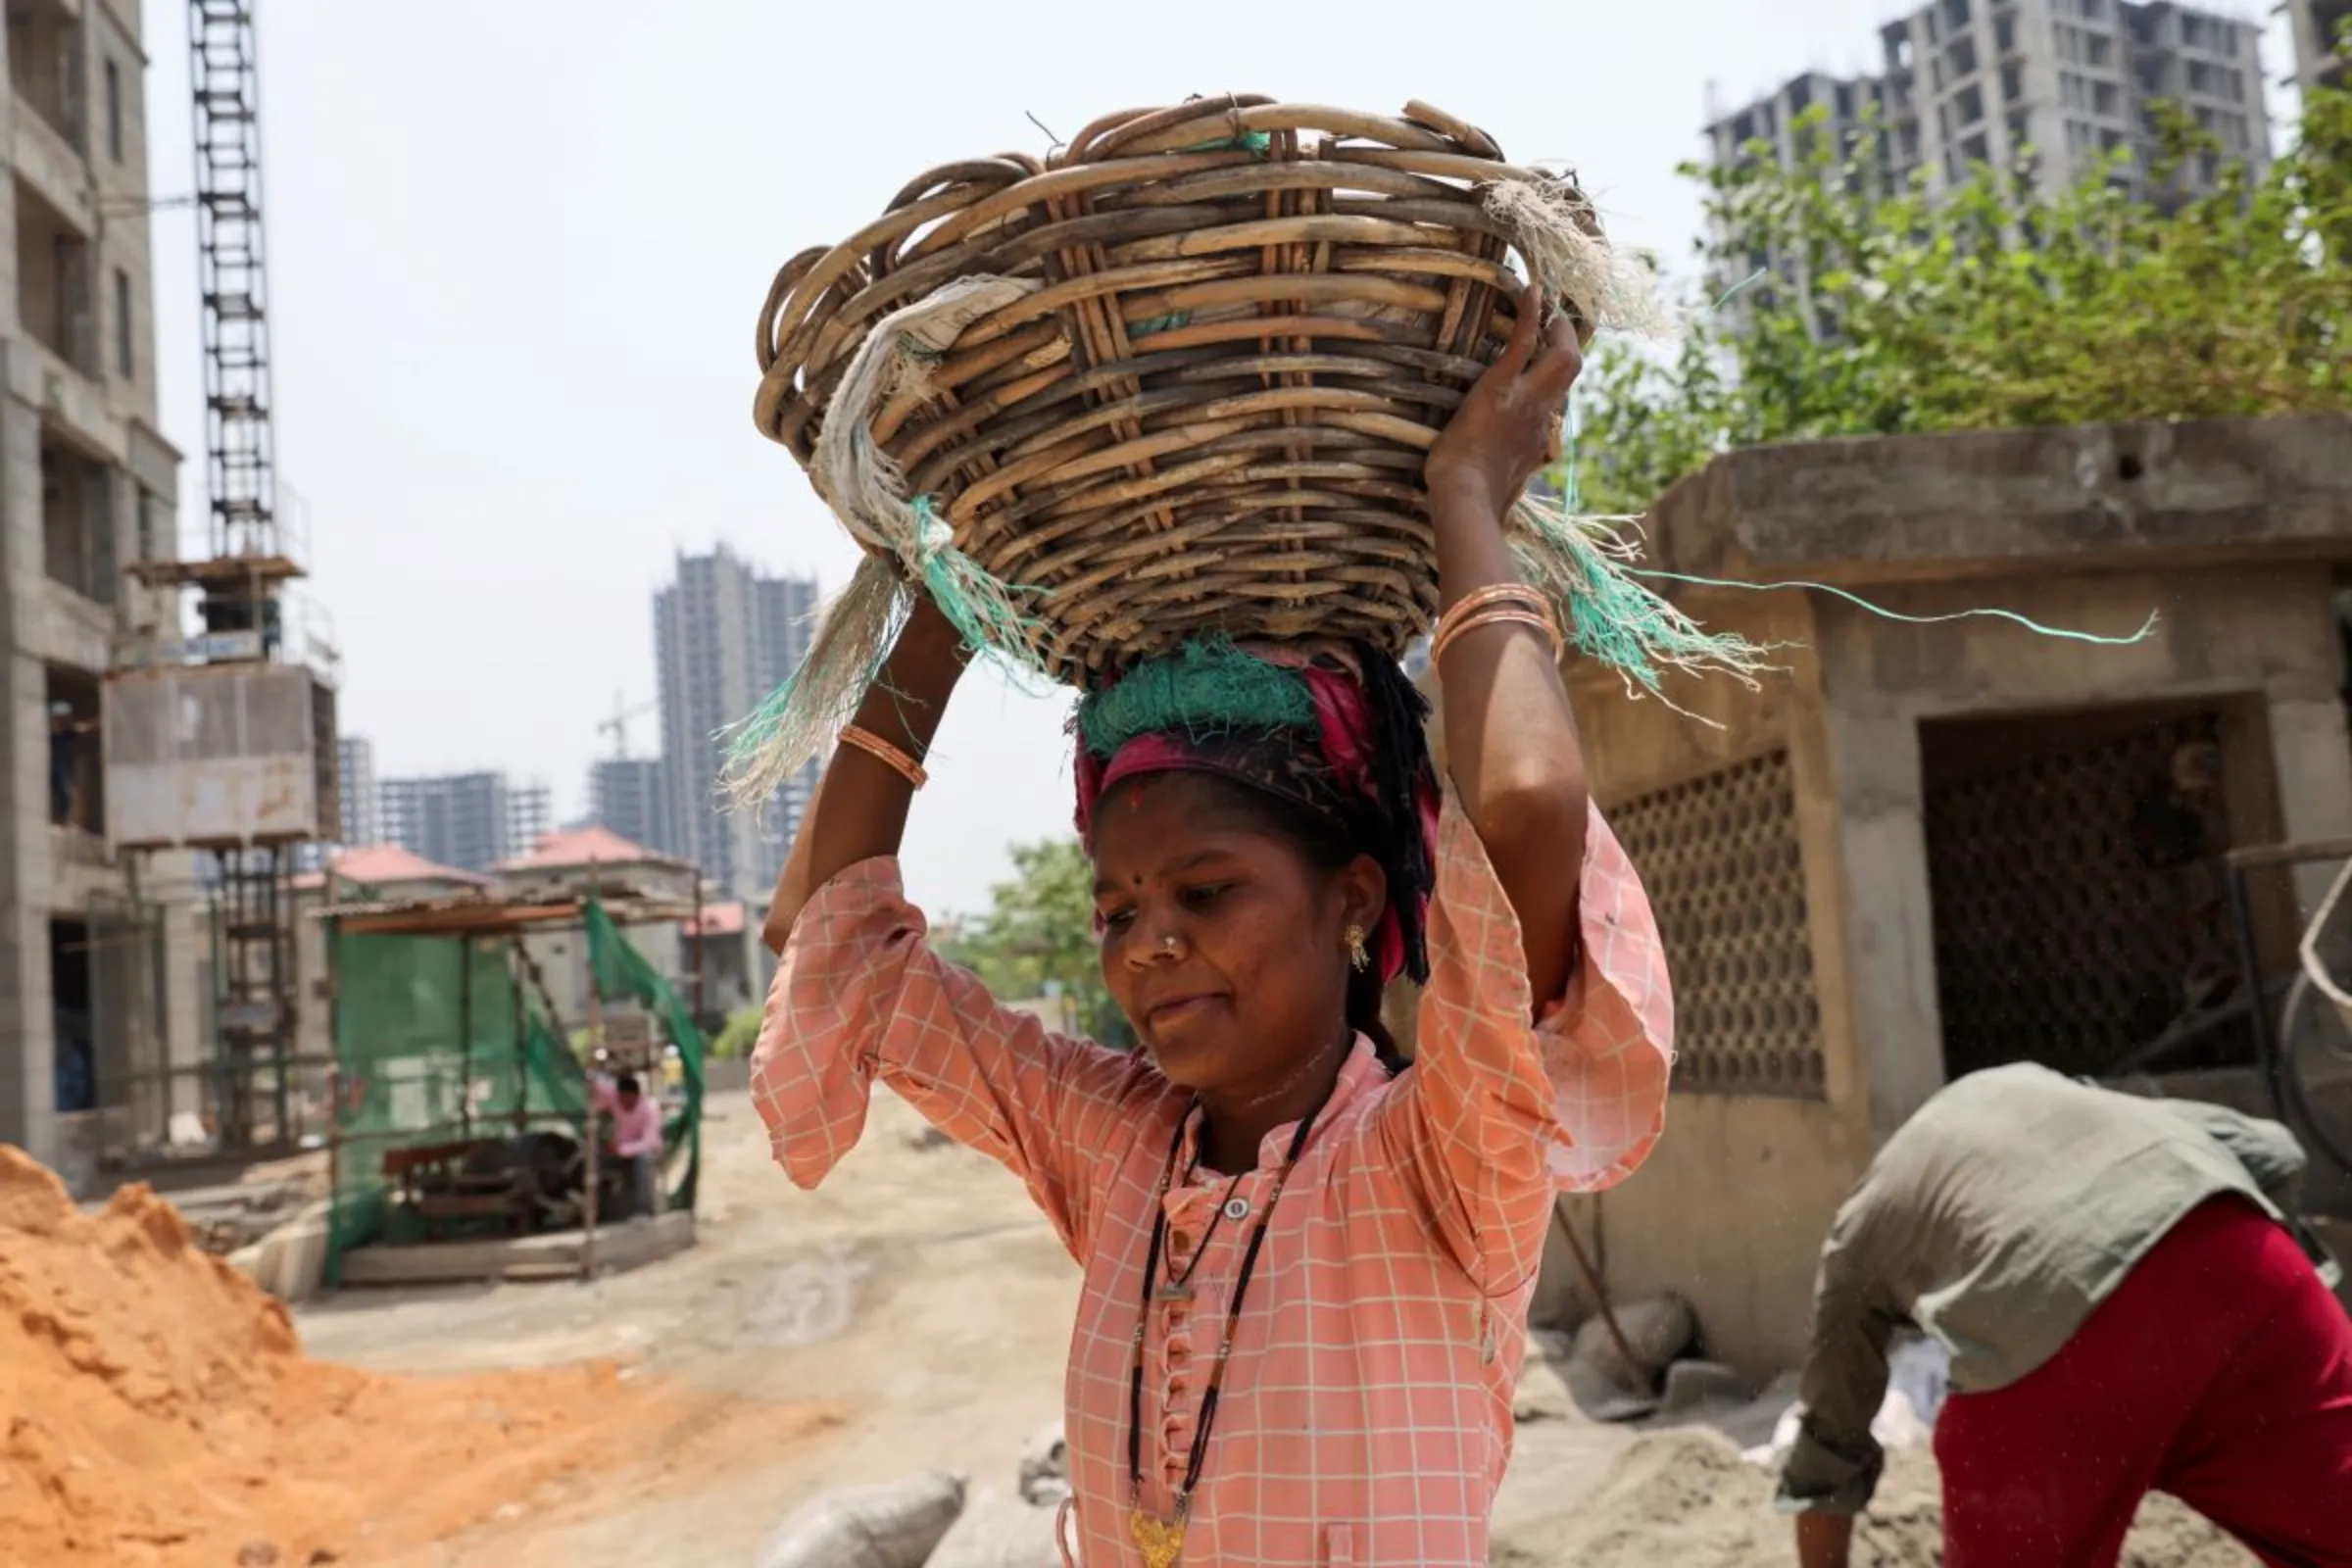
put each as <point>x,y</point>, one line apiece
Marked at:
<point>1327,847</point>
<point>625,1084</point>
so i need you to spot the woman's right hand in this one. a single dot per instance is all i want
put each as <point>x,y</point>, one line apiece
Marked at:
<point>1508,424</point>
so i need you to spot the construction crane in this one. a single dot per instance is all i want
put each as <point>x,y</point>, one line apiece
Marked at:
<point>618,726</point>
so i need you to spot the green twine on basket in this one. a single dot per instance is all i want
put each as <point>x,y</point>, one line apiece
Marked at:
<point>2146,630</point>
<point>1249,141</point>
<point>980,608</point>
<point>1159,324</point>
<point>1205,688</point>
<point>801,717</point>
<point>1586,568</point>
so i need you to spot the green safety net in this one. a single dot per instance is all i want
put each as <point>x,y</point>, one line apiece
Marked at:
<point>437,1042</point>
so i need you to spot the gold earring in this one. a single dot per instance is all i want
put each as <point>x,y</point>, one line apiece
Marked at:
<point>1357,954</point>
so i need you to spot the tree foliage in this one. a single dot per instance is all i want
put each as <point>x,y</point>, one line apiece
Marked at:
<point>741,1033</point>
<point>1995,305</point>
<point>1039,935</point>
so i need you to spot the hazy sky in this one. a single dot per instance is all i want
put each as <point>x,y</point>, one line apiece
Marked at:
<point>517,248</point>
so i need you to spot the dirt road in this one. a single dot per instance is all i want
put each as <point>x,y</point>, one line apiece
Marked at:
<point>917,1297</point>
<point>922,1307</point>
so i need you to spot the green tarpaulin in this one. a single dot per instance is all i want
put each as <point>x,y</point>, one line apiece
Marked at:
<point>437,1040</point>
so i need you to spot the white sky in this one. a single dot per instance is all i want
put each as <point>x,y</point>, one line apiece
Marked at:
<point>517,248</point>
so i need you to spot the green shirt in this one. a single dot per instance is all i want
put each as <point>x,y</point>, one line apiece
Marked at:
<point>1994,1220</point>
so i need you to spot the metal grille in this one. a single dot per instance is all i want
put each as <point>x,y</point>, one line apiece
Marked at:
<point>1724,867</point>
<point>2057,939</point>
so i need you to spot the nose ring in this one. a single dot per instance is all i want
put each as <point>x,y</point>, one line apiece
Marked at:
<point>1168,944</point>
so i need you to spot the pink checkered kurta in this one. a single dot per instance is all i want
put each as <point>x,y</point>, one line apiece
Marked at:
<point>1366,1416</point>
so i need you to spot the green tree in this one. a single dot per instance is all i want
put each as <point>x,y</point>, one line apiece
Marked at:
<point>1995,306</point>
<point>741,1033</point>
<point>1039,935</point>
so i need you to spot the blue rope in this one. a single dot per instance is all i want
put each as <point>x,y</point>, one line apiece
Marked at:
<point>2146,627</point>
<point>1572,487</point>
<point>1741,287</point>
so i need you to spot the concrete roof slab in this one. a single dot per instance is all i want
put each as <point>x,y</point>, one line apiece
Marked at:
<point>1997,503</point>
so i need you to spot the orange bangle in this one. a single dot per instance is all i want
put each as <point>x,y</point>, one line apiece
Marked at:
<point>1472,608</point>
<point>1478,599</point>
<point>1496,603</point>
<point>889,755</point>
<point>1497,618</point>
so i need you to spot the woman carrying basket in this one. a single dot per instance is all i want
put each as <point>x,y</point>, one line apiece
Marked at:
<point>1308,1264</point>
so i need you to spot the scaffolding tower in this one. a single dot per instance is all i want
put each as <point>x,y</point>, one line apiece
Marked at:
<point>240,451</point>
<point>222,748</point>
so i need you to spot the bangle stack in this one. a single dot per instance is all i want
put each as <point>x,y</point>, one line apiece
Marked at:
<point>889,755</point>
<point>1512,604</point>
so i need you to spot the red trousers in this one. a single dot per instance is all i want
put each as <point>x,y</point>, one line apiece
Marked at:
<point>2219,1371</point>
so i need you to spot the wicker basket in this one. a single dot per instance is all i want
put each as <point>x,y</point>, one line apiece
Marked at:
<point>1178,378</point>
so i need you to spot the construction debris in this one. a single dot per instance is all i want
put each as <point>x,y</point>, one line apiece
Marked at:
<point>1046,1468</point>
<point>893,1526</point>
<point>1685,1498</point>
<point>1609,1386</point>
<point>227,1219</point>
<point>997,1531</point>
<point>290,1261</point>
<point>931,1521</point>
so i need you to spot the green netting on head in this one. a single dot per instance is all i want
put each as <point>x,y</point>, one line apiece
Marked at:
<point>1203,688</point>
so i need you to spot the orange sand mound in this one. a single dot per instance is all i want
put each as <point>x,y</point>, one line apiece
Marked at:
<point>158,1409</point>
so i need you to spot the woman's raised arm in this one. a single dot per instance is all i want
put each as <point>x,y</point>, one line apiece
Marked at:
<point>860,813</point>
<point>1511,745</point>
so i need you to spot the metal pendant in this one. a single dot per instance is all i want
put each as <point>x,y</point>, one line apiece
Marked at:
<point>1160,1542</point>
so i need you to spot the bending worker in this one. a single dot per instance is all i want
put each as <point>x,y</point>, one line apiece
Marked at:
<point>2128,1306</point>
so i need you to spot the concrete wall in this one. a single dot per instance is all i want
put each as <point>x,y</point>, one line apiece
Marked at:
<point>1731,1209</point>
<point>112,418</point>
<point>2268,633</point>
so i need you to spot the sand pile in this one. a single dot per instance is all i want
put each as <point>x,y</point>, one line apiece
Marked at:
<point>1687,1497</point>
<point>158,1409</point>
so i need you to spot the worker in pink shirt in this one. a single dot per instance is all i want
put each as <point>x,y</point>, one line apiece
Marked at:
<point>636,1136</point>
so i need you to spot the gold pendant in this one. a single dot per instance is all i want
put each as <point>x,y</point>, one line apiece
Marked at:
<point>1160,1544</point>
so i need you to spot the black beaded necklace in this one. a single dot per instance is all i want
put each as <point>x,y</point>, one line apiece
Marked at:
<point>1162,1540</point>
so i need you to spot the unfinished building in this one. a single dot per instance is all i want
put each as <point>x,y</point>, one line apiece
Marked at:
<point>97,974</point>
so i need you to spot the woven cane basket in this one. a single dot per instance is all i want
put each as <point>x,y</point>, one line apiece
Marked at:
<point>1177,378</point>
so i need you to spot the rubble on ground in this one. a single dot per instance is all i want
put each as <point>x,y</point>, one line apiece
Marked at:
<point>896,1525</point>
<point>1620,1382</point>
<point>998,1531</point>
<point>1688,1498</point>
<point>1045,1467</point>
<point>226,1219</point>
<point>935,1520</point>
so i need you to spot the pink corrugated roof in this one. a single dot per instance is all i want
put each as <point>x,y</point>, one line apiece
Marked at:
<point>718,920</point>
<point>378,863</point>
<point>583,846</point>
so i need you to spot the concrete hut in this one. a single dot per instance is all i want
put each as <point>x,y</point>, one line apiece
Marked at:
<point>1918,849</point>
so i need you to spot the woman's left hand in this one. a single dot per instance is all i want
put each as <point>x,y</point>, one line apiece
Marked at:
<point>1509,427</point>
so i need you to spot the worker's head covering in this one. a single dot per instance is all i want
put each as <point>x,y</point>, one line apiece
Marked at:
<point>1334,730</point>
